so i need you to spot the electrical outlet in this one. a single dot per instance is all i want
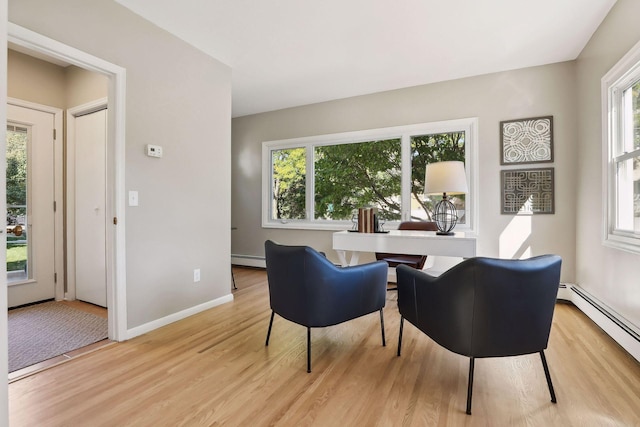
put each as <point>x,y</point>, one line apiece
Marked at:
<point>196,275</point>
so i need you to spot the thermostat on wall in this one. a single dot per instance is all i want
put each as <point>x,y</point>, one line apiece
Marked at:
<point>154,150</point>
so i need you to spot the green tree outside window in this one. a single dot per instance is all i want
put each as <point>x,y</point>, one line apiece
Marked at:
<point>353,175</point>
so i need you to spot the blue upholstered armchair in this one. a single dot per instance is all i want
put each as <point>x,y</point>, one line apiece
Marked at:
<point>484,307</point>
<point>307,289</point>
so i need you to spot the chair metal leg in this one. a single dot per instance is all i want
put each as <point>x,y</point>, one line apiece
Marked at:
<point>308,349</point>
<point>233,279</point>
<point>546,373</point>
<point>400,335</point>
<point>269,331</point>
<point>470,386</point>
<point>384,341</point>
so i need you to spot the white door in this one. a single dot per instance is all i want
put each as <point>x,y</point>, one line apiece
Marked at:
<point>90,207</point>
<point>32,277</point>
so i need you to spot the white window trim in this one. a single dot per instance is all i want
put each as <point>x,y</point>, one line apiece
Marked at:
<point>468,125</point>
<point>619,77</point>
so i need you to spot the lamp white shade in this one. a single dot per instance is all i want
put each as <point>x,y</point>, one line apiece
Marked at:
<point>445,177</point>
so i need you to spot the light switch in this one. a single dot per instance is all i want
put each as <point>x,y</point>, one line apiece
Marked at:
<point>154,150</point>
<point>133,198</point>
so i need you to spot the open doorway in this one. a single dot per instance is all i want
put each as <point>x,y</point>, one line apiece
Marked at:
<point>44,222</point>
<point>111,210</point>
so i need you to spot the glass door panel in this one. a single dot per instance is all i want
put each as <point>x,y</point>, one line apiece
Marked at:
<point>18,242</point>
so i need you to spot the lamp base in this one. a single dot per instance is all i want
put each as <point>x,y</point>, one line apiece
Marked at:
<point>445,216</point>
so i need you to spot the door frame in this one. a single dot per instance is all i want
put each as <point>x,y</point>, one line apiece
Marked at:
<point>115,239</point>
<point>58,189</point>
<point>71,115</point>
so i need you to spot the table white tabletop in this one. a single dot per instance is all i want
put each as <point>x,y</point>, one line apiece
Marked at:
<point>413,242</point>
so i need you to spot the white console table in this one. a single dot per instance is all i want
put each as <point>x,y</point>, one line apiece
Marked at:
<point>411,242</point>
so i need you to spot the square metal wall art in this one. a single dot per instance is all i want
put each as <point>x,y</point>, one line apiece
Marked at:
<point>528,191</point>
<point>526,140</point>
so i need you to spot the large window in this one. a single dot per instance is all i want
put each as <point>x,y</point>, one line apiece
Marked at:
<point>348,176</point>
<point>289,181</point>
<point>320,182</point>
<point>621,111</point>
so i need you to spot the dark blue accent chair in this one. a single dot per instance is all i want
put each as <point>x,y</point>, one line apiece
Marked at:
<point>484,307</point>
<point>307,289</point>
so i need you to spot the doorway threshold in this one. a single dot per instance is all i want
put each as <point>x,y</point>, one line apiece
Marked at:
<point>55,361</point>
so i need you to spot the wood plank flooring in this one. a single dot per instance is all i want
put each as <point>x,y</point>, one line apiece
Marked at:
<point>213,369</point>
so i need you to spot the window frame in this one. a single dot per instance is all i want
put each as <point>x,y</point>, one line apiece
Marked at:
<point>621,77</point>
<point>404,133</point>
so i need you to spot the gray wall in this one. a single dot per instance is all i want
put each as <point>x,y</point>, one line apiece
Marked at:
<point>34,80</point>
<point>538,91</point>
<point>609,274</point>
<point>179,98</point>
<point>84,86</point>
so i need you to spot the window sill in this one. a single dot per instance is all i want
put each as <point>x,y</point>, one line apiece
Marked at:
<point>340,226</point>
<point>627,244</point>
<point>307,225</point>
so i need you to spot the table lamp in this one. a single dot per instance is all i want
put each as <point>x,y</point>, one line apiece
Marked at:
<point>446,178</point>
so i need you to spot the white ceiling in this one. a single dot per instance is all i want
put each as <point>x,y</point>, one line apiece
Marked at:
<point>286,53</point>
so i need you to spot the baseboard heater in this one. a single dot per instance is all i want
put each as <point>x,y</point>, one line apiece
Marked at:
<point>248,260</point>
<point>258,261</point>
<point>617,327</point>
<point>621,324</point>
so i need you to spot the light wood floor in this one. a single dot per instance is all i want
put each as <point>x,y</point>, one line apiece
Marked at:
<point>213,369</point>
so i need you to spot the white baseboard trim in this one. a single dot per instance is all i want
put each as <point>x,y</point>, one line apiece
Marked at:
<point>248,260</point>
<point>148,327</point>
<point>617,327</point>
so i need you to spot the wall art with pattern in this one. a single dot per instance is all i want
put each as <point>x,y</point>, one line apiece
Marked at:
<point>526,140</point>
<point>528,191</point>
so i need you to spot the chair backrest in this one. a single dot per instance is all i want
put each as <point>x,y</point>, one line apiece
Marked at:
<point>306,288</point>
<point>287,271</point>
<point>484,307</point>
